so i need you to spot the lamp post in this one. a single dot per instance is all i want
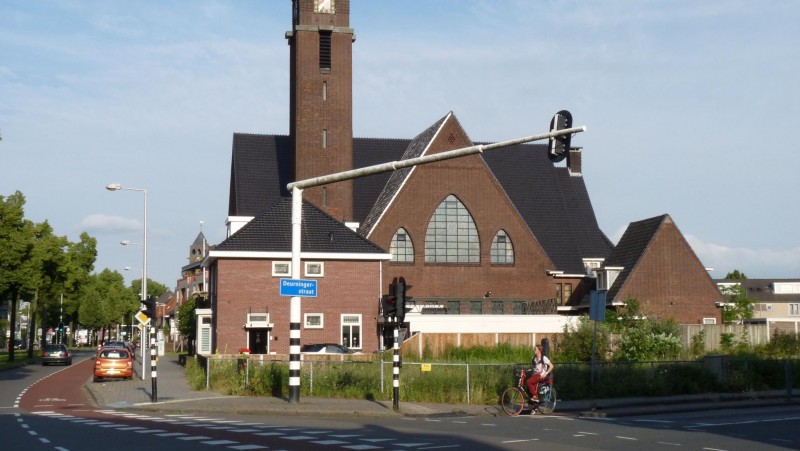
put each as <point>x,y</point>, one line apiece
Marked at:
<point>119,187</point>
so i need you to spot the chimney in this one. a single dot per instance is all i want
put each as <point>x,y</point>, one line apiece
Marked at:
<point>574,161</point>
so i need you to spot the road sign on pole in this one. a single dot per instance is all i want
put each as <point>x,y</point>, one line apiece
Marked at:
<point>299,287</point>
<point>142,317</point>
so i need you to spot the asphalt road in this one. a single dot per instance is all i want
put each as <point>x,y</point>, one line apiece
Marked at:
<point>45,408</point>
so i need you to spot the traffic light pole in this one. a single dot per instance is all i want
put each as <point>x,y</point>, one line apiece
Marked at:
<point>153,359</point>
<point>396,370</point>
<point>296,188</point>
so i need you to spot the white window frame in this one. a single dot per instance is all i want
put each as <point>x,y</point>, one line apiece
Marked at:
<point>360,325</point>
<point>277,273</point>
<point>794,309</point>
<point>321,269</point>
<point>709,321</point>
<point>306,324</point>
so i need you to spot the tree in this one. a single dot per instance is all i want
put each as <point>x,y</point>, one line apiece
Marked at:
<point>187,324</point>
<point>736,275</point>
<point>738,306</point>
<point>106,300</point>
<point>154,289</point>
<point>16,246</point>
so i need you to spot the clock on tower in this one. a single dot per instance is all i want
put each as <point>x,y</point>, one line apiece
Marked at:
<point>324,6</point>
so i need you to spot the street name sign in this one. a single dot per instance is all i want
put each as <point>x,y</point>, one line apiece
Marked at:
<point>299,287</point>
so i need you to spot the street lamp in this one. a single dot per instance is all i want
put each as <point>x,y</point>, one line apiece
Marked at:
<point>119,187</point>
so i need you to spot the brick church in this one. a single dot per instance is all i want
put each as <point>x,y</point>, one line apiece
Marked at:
<point>486,241</point>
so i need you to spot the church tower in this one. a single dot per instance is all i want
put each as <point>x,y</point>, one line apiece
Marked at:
<point>321,100</point>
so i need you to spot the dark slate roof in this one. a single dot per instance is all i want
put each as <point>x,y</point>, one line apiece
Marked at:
<point>764,289</point>
<point>631,248</point>
<point>414,149</point>
<point>369,152</point>
<point>271,231</point>
<point>553,203</point>
<point>260,171</point>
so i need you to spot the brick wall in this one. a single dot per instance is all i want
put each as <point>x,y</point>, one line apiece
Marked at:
<point>669,281</point>
<point>471,181</point>
<point>247,286</point>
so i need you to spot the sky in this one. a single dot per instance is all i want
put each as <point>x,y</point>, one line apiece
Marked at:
<point>686,105</point>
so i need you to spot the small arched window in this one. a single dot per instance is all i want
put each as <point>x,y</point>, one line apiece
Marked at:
<point>502,249</point>
<point>402,249</point>
<point>452,236</point>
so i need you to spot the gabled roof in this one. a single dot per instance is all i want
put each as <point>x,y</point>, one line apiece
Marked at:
<point>272,232</point>
<point>631,248</point>
<point>415,148</point>
<point>554,203</point>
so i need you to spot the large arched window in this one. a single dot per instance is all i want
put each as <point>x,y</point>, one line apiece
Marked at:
<point>452,236</point>
<point>502,249</point>
<point>402,249</point>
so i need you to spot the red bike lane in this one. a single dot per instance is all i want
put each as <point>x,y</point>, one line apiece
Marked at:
<point>60,391</point>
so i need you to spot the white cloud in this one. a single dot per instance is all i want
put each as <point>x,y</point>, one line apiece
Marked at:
<point>101,222</point>
<point>754,263</point>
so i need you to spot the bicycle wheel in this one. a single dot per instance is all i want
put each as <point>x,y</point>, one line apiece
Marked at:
<point>513,401</point>
<point>547,402</point>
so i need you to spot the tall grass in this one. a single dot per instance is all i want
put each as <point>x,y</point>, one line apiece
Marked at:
<point>489,371</point>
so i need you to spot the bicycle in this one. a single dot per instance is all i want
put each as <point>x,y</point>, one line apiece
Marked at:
<point>514,399</point>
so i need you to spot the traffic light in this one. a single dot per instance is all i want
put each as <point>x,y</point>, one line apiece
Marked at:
<point>61,328</point>
<point>558,148</point>
<point>389,306</point>
<point>149,308</point>
<point>401,293</point>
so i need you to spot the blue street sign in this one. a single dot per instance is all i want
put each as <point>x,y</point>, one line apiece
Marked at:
<point>299,287</point>
<point>597,305</point>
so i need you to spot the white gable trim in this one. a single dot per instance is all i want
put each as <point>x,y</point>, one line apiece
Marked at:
<point>402,185</point>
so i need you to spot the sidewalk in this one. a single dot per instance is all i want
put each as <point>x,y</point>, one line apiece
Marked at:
<point>175,396</point>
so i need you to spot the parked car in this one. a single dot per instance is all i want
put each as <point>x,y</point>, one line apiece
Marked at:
<point>116,362</point>
<point>326,348</point>
<point>56,354</point>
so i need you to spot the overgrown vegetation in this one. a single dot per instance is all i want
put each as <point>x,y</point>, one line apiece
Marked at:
<point>636,355</point>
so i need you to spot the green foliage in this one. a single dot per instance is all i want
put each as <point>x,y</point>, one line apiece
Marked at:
<point>106,300</point>
<point>644,338</point>
<point>727,341</point>
<point>487,354</point>
<point>736,275</point>
<point>195,374</point>
<point>738,306</point>
<point>576,343</point>
<point>698,345</point>
<point>154,289</point>
<point>187,325</point>
<point>783,345</point>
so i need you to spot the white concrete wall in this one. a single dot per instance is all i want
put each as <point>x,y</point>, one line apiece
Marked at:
<point>487,323</point>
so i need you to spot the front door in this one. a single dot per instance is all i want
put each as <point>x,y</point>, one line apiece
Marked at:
<point>257,340</point>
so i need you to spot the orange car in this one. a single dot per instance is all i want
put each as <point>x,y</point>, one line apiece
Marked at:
<point>113,362</point>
